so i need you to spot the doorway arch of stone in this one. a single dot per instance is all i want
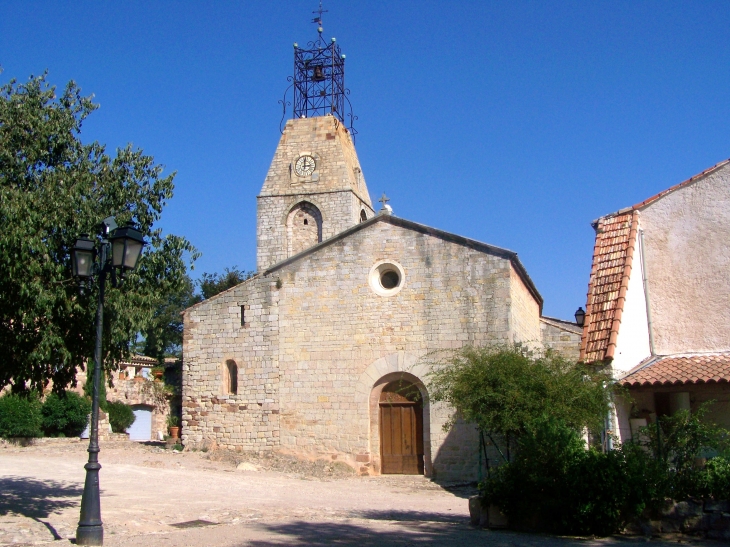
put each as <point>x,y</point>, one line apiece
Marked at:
<point>396,366</point>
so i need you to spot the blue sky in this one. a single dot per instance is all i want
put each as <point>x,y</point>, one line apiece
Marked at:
<point>514,123</point>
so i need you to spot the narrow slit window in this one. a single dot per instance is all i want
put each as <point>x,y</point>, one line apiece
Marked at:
<point>243,316</point>
<point>230,381</point>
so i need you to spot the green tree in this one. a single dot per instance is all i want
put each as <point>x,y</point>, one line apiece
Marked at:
<point>163,337</point>
<point>53,187</point>
<point>506,389</point>
<point>212,284</point>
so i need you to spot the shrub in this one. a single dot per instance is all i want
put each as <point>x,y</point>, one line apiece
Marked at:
<point>554,484</point>
<point>121,416</point>
<point>716,478</point>
<point>65,415</point>
<point>20,416</point>
<point>504,388</point>
<point>677,442</point>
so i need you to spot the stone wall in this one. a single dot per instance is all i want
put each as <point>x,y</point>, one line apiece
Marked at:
<point>215,333</point>
<point>273,241</point>
<point>317,339</point>
<point>336,187</point>
<point>562,336</point>
<point>524,312</point>
<point>706,518</point>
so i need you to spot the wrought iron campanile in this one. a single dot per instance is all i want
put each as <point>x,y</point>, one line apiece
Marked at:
<point>319,80</point>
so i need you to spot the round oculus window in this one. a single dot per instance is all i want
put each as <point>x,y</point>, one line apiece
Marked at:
<point>386,278</point>
<point>389,280</point>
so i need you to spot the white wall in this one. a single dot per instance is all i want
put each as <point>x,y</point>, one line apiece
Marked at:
<point>687,250</point>
<point>632,344</point>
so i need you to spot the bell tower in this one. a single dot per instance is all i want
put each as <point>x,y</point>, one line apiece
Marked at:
<point>315,187</point>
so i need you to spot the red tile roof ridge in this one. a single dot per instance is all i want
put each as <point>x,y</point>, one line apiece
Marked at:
<point>663,193</point>
<point>610,272</point>
<point>619,310</point>
<point>690,180</point>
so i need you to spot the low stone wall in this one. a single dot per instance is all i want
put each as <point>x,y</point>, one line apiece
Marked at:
<point>706,518</point>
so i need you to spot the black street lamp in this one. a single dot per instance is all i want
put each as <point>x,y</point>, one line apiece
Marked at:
<point>119,250</point>
<point>580,316</point>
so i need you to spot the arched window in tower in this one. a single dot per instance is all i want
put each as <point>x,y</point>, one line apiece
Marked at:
<point>303,227</point>
<point>230,378</point>
<point>363,215</point>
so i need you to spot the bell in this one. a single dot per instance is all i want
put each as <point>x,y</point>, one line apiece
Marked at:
<point>318,75</point>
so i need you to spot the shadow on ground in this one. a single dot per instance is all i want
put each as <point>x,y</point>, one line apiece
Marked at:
<point>409,516</point>
<point>409,531</point>
<point>36,499</point>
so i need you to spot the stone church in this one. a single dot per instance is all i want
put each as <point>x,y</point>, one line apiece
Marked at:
<point>322,352</point>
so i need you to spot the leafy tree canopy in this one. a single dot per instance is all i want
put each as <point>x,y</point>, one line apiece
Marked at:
<point>163,337</point>
<point>507,389</point>
<point>212,284</point>
<point>53,188</point>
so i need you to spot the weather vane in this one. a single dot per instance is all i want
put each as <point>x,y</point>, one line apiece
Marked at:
<point>318,19</point>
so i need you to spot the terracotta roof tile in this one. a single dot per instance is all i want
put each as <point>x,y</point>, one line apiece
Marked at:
<point>612,262</point>
<point>684,369</point>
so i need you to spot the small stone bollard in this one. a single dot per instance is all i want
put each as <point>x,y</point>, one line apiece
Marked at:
<point>475,510</point>
<point>485,516</point>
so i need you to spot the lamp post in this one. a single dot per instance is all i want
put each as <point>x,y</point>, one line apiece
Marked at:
<point>580,316</point>
<point>119,250</point>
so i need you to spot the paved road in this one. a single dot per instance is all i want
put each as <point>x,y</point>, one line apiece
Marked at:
<point>156,498</point>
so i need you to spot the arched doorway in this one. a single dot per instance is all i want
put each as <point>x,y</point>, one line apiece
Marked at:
<point>401,429</point>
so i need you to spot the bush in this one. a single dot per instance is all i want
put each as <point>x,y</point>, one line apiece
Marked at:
<point>65,415</point>
<point>121,416</point>
<point>503,389</point>
<point>554,484</point>
<point>20,416</point>
<point>716,478</point>
<point>678,442</point>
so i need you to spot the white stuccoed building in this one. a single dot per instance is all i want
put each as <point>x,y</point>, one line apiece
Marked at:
<point>658,307</point>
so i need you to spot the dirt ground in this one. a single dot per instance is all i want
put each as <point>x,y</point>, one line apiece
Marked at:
<point>152,496</point>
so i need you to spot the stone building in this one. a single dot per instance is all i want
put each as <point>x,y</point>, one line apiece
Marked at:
<point>562,336</point>
<point>324,351</point>
<point>152,399</point>
<point>658,309</point>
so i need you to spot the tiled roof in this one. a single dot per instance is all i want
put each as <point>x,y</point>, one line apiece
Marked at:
<point>143,360</point>
<point>612,262</point>
<point>681,369</point>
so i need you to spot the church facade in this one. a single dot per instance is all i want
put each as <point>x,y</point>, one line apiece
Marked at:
<point>345,302</point>
<point>325,351</point>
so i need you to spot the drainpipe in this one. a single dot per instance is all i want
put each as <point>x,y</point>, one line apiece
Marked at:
<point>646,293</point>
<point>608,428</point>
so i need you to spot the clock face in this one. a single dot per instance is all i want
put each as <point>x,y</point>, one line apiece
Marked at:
<point>304,166</point>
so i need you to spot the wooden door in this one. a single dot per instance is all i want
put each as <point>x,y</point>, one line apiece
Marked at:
<point>401,432</point>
